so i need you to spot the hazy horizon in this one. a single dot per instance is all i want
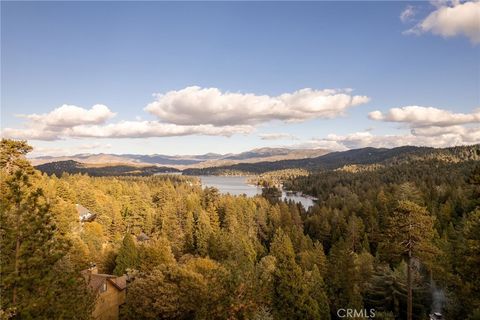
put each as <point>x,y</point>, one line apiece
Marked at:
<point>153,153</point>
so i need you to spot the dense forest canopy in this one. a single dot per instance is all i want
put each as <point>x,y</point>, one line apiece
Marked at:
<point>71,166</point>
<point>214,256</point>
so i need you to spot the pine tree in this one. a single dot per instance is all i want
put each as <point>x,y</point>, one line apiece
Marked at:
<point>12,156</point>
<point>312,257</point>
<point>93,237</point>
<point>35,274</point>
<point>409,235</point>
<point>128,257</point>
<point>155,253</point>
<point>202,232</point>
<point>470,259</point>
<point>355,229</point>
<point>317,292</point>
<point>343,278</point>
<point>189,246</point>
<point>386,292</point>
<point>193,289</point>
<point>290,296</point>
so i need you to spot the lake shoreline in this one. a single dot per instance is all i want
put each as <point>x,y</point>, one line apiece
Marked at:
<point>240,185</point>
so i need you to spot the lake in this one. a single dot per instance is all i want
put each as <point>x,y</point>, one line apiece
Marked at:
<point>238,185</point>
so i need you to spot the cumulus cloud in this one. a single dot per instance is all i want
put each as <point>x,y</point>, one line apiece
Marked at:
<point>70,121</point>
<point>123,129</point>
<point>428,126</point>
<point>452,20</point>
<point>417,116</point>
<point>463,134</point>
<point>202,106</point>
<point>34,133</point>
<point>146,129</point>
<point>408,13</point>
<point>190,111</point>
<point>433,137</point>
<point>69,115</point>
<point>277,136</point>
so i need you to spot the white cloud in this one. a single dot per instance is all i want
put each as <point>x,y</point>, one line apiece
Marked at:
<point>439,137</point>
<point>146,129</point>
<point>464,134</point>
<point>124,129</point>
<point>320,144</point>
<point>36,133</point>
<point>69,115</point>
<point>200,106</point>
<point>429,126</point>
<point>417,116</point>
<point>277,136</point>
<point>62,151</point>
<point>70,121</point>
<point>434,131</point>
<point>190,111</point>
<point>452,20</point>
<point>408,13</point>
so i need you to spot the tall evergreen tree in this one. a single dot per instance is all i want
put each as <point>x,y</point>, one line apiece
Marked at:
<point>410,235</point>
<point>386,292</point>
<point>291,298</point>
<point>317,292</point>
<point>470,260</point>
<point>128,257</point>
<point>343,278</point>
<point>34,272</point>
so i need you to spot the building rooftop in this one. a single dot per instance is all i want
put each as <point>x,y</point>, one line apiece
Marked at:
<point>142,237</point>
<point>84,214</point>
<point>96,280</point>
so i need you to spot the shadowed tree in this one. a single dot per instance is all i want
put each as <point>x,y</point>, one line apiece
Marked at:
<point>127,257</point>
<point>410,235</point>
<point>37,280</point>
<point>343,278</point>
<point>291,294</point>
<point>193,289</point>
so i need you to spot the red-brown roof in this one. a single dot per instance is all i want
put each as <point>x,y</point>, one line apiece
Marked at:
<point>119,282</point>
<point>95,280</point>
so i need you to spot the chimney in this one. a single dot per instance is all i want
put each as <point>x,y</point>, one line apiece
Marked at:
<point>93,269</point>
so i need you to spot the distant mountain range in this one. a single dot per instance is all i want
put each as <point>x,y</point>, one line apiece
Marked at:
<point>250,162</point>
<point>363,156</point>
<point>188,161</point>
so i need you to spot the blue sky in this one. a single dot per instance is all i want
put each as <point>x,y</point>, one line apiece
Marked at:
<point>118,54</point>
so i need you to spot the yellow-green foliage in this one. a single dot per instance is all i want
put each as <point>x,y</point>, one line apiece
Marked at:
<point>198,254</point>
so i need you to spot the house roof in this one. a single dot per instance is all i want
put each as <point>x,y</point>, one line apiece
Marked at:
<point>95,280</point>
<point>84,213</point>
<point>142,237</point>
<point>119,282</point>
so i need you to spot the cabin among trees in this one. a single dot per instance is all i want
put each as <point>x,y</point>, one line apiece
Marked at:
<point>110,291</point>
<point>84,214</point>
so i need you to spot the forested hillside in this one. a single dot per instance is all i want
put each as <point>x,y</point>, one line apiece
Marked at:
<point>69,166</point>
<point>367,200</point>
<point>364,156</point>
<point>213,256</point>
